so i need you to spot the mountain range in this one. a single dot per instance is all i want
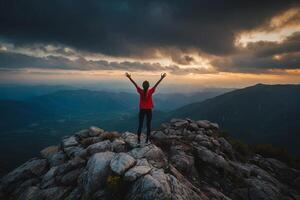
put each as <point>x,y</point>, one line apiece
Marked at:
<point>256,114</point>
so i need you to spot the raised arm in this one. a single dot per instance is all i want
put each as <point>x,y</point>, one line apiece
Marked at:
<point>129,77</point>
<point>162,76</point>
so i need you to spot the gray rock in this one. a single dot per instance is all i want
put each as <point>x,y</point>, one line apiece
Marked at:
<point>69,141</point>
<point>193,126</point>
<point>142,162</point>
<point>130,139</point>
<point>97,171</point>
<point>74,151</point>
<point>32,193</point>
<point>54,193</point>
<point>212,158</point>
<point>201,137</point>
<point>75,194</point>
<point>297,182</point>
<point>241,170</point>
<point>33,167</point>
<point>70,178</point>
<point>136,172</point>
<point>174,120</point>
<point>101,194</point>
<point>214,125</point>
<point>225,146</point>
<point>57,158</point>
<point>47,152</point>
<point>118,145</point>
<point>181,192</point>
<point>203,123</point>
<point>152,153</point>
<point>49,178</point>
<point>25,185</point>
<point>91,140</point>
<point>95,131</point>
<point>75,163</point>
<point>148,187</point>
<point>82,134</point>
<point>99,147</point>
<point>182,123</point>
<point>184,163</point>
<point>121,162</point>
<point>259,189</point>
<point>159,135</point>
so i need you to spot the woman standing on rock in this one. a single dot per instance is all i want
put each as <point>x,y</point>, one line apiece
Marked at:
<point>146,104</point>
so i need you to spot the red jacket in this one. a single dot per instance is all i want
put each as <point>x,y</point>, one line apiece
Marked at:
<point>146,100</point>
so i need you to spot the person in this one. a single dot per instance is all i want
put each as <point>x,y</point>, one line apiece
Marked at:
<point>145,105</point>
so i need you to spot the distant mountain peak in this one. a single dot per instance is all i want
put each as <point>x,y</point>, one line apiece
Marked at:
<point>186,160</point>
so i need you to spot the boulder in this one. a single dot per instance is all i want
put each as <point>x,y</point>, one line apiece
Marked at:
<point>25,185</point>
<point>33,167</point>
<point>47,152</point>
<point>159,135</point>
<point>136,172</point>
<point>31,193</point>
<point>97,171</point>
<point>74,151</point>
<point>211,158</point>
<point>148,187</point>
<point>259,189</point>
<point>110,135</point>
<point>193,126</point>
<point>118,145</point>
<point>82,134</point>
<point>69,141</point>
<point>95,131</point>
<point>152,153</point>
<point>75,194</point>
<point>225,146</point>
<point>75,163</point>
<point>57,158</point>
<point>203,123</point>
<point>121,162</point>
<point>180,191</point>
<point>49,178</point>
<point>54,193</point>
<point>130,139</point>
<point>90,140</point>
<point>99,147</point>
<point>214,125</point>
<point>70,178</point>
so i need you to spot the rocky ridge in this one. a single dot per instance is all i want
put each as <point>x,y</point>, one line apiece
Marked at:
<point>187,160</point>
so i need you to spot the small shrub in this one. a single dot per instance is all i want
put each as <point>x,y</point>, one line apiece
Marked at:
<point>239,146</point>
<point>114,187</point>
<point>279,153</point>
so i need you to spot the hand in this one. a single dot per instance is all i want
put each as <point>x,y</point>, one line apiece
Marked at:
<point>163,75</point>
<point>128,75</point>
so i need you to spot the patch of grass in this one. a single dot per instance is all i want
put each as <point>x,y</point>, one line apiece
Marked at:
<point>279,153</point>
<point>266,150</point>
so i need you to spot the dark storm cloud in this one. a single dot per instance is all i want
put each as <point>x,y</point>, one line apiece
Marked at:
<point>134,28</point>
<point>15,61</point>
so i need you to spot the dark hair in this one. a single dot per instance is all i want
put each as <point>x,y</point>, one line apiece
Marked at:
<point>145,87</point>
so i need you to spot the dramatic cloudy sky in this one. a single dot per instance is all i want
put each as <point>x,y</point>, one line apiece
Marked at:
<point>199,42</point>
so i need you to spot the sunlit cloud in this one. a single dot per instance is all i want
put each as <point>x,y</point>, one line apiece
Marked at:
<point>277,29</point>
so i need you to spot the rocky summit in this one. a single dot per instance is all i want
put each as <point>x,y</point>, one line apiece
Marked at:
<point>186,160</point>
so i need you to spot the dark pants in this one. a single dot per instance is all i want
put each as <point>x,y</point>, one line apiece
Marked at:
<point>142,113</point>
